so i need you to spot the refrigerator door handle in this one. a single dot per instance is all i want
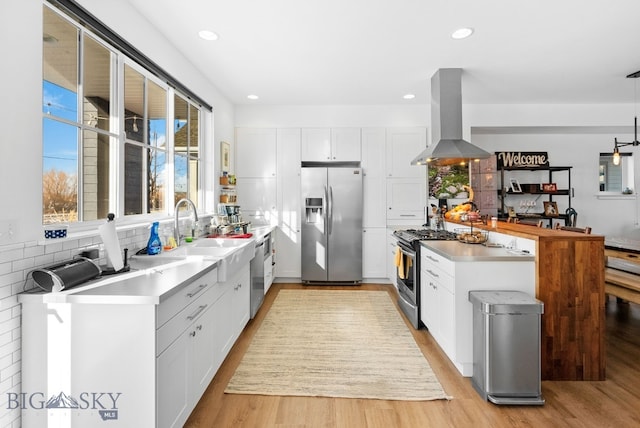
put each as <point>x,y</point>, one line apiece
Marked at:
<point>330,209</point>
<point>325,215</point>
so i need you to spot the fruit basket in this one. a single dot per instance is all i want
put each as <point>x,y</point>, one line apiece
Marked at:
<point>470,236</point>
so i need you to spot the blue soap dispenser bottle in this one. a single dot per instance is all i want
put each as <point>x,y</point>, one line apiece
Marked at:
<point>154,246</point>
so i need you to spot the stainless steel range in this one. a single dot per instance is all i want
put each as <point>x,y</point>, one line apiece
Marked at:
<point>408,271</point>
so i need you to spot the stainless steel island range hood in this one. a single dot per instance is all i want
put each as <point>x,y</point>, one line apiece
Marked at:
<point>447,147</point>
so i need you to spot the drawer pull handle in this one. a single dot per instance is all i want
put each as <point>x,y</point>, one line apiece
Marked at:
<point>433,259</point>
<point>433,285</point>
<point>197,312</point>
<point>407,215</point>
<point>200,288</point>
<point>433,274</point>
<point>192,334</point>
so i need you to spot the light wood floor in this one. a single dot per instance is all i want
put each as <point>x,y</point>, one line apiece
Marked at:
<point>614,402</point>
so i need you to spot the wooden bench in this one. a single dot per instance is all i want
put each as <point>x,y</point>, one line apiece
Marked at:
<point>623,285</point>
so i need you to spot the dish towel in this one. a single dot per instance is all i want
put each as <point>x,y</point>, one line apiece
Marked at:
<point>399,261</point>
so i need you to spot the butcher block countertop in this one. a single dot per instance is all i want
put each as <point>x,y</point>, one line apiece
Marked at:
<point>570,281</point>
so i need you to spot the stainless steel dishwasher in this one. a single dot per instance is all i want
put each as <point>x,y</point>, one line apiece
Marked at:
<point>257,274</point>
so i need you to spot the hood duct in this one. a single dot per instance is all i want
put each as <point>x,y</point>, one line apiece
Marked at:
<point>447,147</point>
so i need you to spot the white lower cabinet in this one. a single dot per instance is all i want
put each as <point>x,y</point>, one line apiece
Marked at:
<point>237,298</point>
<point>391,248</point>
<point>374,253</point>
<point>444,297</point>
<point>155,360</point>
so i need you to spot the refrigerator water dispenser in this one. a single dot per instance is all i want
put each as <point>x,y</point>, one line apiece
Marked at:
<point>313,210</point>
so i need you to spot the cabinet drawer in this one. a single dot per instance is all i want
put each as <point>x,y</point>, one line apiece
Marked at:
<point>429,258</point>
<point>436,277</point>
<point>174,304</point>
<point>171,330</point>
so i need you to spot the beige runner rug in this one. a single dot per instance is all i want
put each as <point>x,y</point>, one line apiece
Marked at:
<point>335,343</point>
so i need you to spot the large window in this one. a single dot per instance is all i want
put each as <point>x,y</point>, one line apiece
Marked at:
<point>107,146</point>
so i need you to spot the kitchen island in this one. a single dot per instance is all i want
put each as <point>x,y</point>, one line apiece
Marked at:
<point>449,271</point>
<point>569,280</point>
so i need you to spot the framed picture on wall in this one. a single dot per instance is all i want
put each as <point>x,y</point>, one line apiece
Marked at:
<point>225,156</point>
<point>550,209</point>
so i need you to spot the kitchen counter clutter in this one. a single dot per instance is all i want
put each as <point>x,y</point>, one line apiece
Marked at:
<point>150,340</point>
<point>569,280</point>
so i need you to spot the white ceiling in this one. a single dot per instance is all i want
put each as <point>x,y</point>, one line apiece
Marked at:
<point>332,52</point>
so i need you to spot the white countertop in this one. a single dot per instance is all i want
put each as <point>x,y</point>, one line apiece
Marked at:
<point>260,232</point>
<point>461,252</point>
<point>144,286</point>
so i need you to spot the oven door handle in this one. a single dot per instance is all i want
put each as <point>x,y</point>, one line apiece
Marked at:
<point>406,251</point>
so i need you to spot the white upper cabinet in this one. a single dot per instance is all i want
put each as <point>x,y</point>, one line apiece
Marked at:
<point>373,152</point>
<point>256,152</point>
<point>331,144</point>
<point>403,145</point>
<point>373,166</point>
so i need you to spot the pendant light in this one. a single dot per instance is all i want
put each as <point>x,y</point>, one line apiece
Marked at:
<point>635,142</point>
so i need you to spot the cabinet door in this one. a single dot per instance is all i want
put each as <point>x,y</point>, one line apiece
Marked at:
<point>223,315</point>
<point>204,357</point>
<point>316,144</point>
<point>241,300</point>
<point>374,186</point>
<point>429,309</point>
<point>173,383</point>
<point>255,152</point>
<point>374,249</point>
<point>406,199</point>
<point>289,250</point>
<point>392,245</point>
<point>289,204</point>
<point>403,145</point>
<point>447,336</point>
<point>374,194</point>
<point>268,273</point>
<point>345,144</point>
<point>373,152</point>
<point>258,199</point>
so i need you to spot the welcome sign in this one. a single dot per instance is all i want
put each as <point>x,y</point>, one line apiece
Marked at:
<point>522,159</point>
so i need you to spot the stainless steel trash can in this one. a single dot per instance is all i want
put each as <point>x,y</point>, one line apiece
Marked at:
<point>506,347</point>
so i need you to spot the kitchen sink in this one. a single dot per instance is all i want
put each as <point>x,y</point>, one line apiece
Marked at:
<point>231,254</point>
<point>222,242</point>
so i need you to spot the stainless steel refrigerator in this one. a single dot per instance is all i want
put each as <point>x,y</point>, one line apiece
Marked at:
<point>331,224</point>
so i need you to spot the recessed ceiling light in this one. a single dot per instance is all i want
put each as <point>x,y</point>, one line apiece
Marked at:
<point>252,97</point>
<point>462,33</point>
<point>207,35</point>
<point>409,96</point>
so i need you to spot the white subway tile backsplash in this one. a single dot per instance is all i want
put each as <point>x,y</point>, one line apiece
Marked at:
<point>10,348</point>
<point>9,371</point>
<point>11,255</point>
<point>11,278</point>
<point>5,338</point>
<point>53,248</point>
<point>5,268</point>
<point>20,265</point>
<point>33,251</point>
<point>9,325</point>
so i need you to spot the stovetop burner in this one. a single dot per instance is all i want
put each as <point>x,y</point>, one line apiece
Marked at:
<point>411,235</point>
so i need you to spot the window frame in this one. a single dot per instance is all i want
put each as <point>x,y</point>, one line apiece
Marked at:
<point>117,136</point>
